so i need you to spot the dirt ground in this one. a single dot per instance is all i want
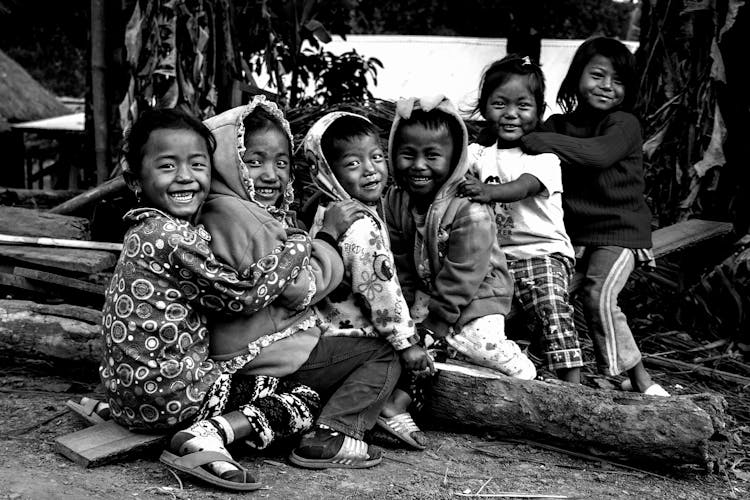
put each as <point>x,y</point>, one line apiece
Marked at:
<point>32,415</point>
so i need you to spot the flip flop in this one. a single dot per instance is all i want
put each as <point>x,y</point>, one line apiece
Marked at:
<point>193,463</point>
<point>90,409</point>
<point>401,426</point>
<point>652,390</point>
<point>353,454</point>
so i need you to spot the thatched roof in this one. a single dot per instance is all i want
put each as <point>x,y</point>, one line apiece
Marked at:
<point>21,97</point>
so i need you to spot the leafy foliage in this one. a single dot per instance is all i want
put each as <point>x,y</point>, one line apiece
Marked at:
<point>683,76</point>
<point>288,37</point>
<point>550,19</point>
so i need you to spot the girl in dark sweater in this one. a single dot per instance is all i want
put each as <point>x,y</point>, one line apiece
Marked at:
<point>599,143</point>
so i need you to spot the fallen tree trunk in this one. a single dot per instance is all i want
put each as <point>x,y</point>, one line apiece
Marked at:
<point>61,333</point>
<point>615,424</point>
<point>676,430</point>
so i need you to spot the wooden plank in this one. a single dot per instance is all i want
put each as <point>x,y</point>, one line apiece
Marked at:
<point>677,237</point>
<point>59,280</point>
<point>21,283</point>
<point>67,259</point>
<point>686,234</point>
<point>105,443</point>
<point>27,222</point>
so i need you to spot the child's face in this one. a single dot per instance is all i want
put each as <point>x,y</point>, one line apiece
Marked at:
<point>175,172</point>
<point>267,159</point>
<point>600,88</point>
<point>360,168</point>
<point>423,158</point>
<point>512,109</point>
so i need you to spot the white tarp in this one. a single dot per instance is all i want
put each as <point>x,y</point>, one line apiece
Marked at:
<point>422,65</point>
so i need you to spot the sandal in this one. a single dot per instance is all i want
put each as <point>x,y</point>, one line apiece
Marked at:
<point>401,426</point>
<point>352,453</point>
<point>90,409</point>
<point>193,463</point>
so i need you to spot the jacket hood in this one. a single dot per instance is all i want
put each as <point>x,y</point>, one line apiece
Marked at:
<point>404,110</point>
<point>231,175</point>
<point>321,172</point>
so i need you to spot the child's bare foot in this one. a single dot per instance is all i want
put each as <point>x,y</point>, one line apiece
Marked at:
<point>640,381</point>
<point>572,375</point>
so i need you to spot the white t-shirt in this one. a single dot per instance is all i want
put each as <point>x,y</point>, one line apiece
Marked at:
<point>533,226</point>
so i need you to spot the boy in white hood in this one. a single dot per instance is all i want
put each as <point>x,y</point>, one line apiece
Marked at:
<point>347,162</point>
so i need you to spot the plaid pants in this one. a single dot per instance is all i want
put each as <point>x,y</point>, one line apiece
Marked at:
<point>541,289</point>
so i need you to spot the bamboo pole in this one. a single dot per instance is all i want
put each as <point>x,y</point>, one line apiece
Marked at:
<point>103,190</point>
<point>99,89</point>
<point>7,239</point>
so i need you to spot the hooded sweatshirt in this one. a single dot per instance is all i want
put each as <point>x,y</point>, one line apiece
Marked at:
<point>243,231</point>
<point>457,261</point>
<point>369,302</point>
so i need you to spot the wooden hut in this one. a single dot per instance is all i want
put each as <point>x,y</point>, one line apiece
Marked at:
<point>21,99</point>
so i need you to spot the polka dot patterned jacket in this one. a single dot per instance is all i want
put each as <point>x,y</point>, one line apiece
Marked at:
<point>155,368</point>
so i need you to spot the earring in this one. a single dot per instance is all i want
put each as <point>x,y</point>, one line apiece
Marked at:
<point>137,193</point>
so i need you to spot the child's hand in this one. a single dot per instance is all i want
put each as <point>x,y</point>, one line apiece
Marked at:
<point>474,189</point>
<point>416,359</point>
<point>339,216</point>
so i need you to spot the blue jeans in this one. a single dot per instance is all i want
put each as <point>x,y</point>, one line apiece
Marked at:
<point>606,270</point>
<point>355,377</point>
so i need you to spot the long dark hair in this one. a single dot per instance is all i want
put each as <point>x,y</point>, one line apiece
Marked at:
<point>623,63</point>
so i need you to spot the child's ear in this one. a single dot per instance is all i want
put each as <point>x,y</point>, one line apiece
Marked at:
<point>133,182</point>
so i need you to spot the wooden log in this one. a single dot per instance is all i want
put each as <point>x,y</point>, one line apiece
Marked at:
<point>71,284</point>
<point>27,222</point>
<point>105,189</point>
<point>59,333</point>
<point>67,259</point>
<point>36,198</point>
<point>615,424</point>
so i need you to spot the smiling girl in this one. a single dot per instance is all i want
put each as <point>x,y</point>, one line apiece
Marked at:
<point>526,191</point>
<point>155,368</point>
<point>599,142</point>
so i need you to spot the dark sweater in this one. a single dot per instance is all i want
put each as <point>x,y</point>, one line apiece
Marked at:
<point>603,180</point>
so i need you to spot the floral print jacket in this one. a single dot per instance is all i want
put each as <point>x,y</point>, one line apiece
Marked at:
<point>155,367</point>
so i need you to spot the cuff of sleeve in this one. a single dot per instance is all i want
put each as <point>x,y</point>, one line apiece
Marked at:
<point>403,344</point>
<point>323,236</point>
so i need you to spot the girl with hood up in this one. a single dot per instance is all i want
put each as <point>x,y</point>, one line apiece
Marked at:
<point>347,162</point>
<point>444,245</point>
<point>247,212</point>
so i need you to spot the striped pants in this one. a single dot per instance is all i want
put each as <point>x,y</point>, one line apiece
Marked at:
<point>606,270</point>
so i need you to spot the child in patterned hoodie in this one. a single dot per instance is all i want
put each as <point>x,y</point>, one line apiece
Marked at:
<point>444,245</point>
<point>347,162</point>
